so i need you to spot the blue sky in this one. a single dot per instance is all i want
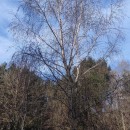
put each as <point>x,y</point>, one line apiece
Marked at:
<point>7,46</point>
<point>7,8</point>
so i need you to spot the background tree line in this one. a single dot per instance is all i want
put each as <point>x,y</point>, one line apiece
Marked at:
<point>30,102</point>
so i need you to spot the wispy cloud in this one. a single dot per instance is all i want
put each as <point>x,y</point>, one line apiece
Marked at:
<point>6,49</point>
<point>8,7</point>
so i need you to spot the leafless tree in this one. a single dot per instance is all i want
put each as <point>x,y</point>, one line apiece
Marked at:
<point>22,100</point>
<point>59,34</point>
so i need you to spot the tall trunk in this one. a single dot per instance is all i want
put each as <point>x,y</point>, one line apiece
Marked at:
<point>23,122</point>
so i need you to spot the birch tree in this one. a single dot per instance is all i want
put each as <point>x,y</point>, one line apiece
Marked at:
<point>59,34</point>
